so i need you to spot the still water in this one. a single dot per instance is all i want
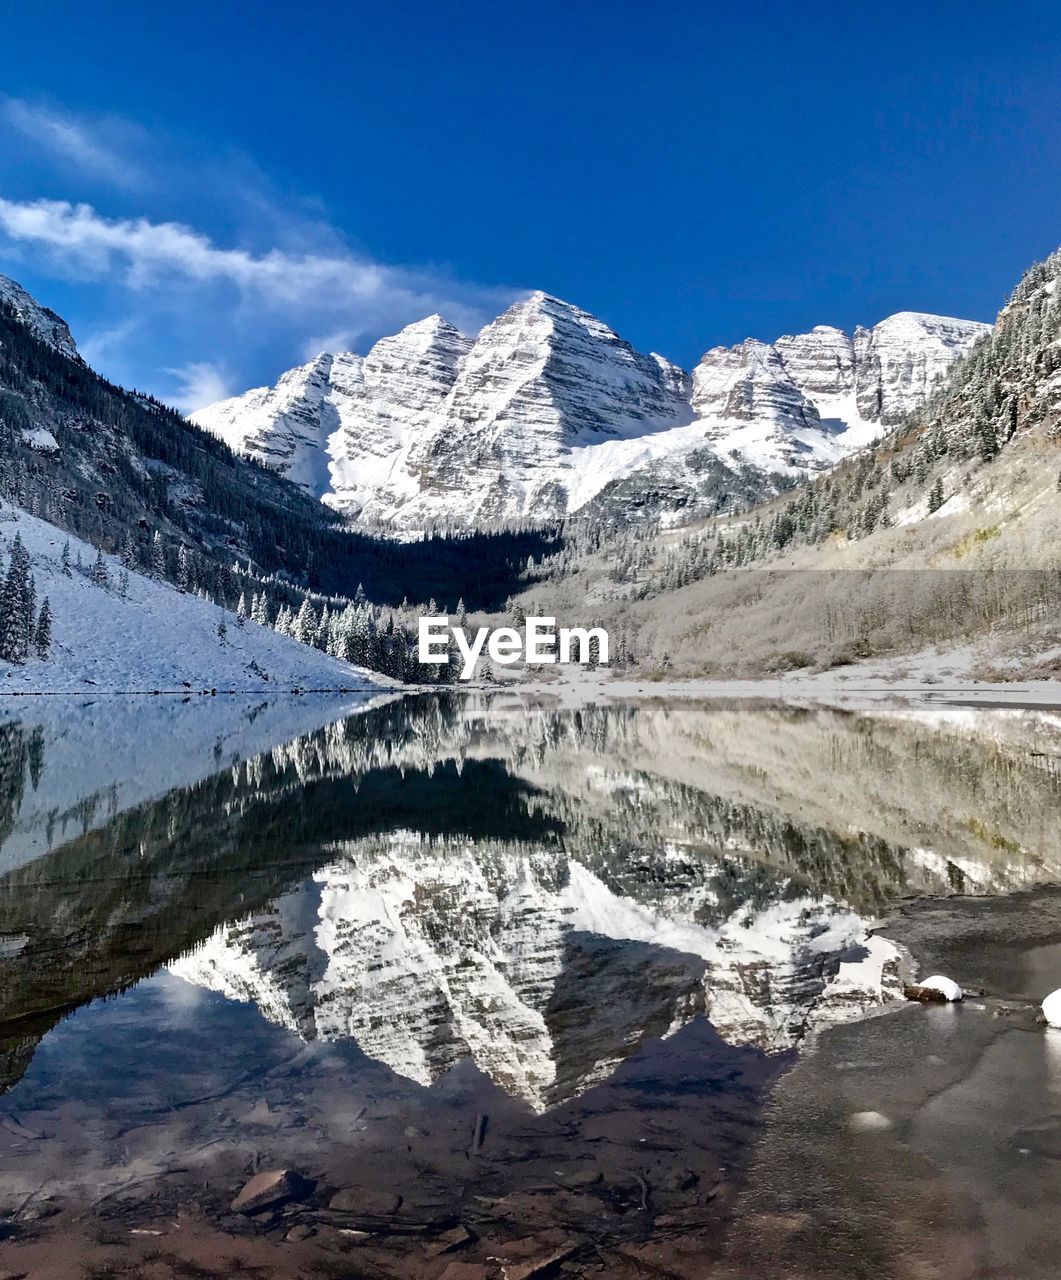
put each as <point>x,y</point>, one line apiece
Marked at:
<point>513,989</point>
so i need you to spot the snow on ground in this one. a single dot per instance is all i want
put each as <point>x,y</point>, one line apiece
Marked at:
<point>589,467</point>
<point>41,439</point>
<point>934,682</point>
<point>158,638</point>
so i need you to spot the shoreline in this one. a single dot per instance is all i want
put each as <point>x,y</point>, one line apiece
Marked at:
<point>929,1130</point>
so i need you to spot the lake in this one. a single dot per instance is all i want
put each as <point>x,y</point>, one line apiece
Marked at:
<point>490,986</point>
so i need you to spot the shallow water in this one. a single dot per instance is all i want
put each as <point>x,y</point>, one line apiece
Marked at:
<point>512,987</point>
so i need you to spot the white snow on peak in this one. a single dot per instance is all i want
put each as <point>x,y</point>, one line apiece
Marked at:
<point>547,405</point>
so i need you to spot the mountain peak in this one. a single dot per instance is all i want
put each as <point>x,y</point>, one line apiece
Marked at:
<point>926,322</point>
<point>547,404</point>
<point>431,324</point>
<point>41,321</point>
<point>541,303</point>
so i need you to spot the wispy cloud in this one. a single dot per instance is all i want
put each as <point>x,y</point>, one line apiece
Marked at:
<point>199,383</point>
<point>101,342</point>
<point>148,254</point>
<point>165,302</point>
<point>72,141</point>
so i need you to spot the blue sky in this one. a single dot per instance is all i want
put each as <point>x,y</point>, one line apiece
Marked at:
<point>211,192</point>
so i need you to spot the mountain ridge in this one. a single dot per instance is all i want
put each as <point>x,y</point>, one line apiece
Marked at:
<point>547,406</point>
<point>942,533</point>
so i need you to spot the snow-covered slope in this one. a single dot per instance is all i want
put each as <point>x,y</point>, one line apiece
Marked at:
<point>42,322</point>
<point>548,407</point>
<point>342,424</point>
<point>155,638</point>
<point>287,426</point>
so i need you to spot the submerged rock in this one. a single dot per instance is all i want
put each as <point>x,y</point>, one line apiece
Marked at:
<point>364,1200</point>
<point>268,1189</point>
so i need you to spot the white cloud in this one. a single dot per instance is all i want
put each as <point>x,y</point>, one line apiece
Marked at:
<point>157,300</point>
<point>357,293</point>
<point>100,343</point>
<point>199,383</point>
<point>71,141</point>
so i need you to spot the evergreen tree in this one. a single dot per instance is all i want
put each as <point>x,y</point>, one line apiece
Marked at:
<point>158,555</point>
<point>322,635</point>
<point>986,439</point>
<point>305,623</point>
<point>130,551</point>
<point>29,609</point>
<point>99,571</point>
<point>184,568</point>
<point>65,560</point>
<point>15,625</point>
<point>935,495</point>
<point>42,636</point>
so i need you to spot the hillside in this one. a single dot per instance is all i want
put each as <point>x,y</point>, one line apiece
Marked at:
<point>115,467</point>
<point>945,533</point>
<point>136,634</point>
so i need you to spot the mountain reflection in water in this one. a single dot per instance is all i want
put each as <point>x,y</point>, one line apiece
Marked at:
<point>456,950</point>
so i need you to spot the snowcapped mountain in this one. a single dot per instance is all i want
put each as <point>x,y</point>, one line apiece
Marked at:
<point>809,399</point>
<point>548,408</point>
<point>285,426</point>
<point>429,952</point>
<point>41,322</point>
<point>433,425</point>
<point>343,423</point>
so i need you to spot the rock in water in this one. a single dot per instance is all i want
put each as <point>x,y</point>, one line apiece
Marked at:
<point>947,988</point>
<point>268,1189</point>
<point>364,1200</point>
<point>1052,1008</point>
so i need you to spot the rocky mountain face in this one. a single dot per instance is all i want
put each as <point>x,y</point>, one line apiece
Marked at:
<point>807,400</point>
<point>548,411</point>
<point>40,321</point>
<point>283,426</point>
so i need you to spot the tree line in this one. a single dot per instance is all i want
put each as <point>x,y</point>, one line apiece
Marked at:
<point>25,628</point>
